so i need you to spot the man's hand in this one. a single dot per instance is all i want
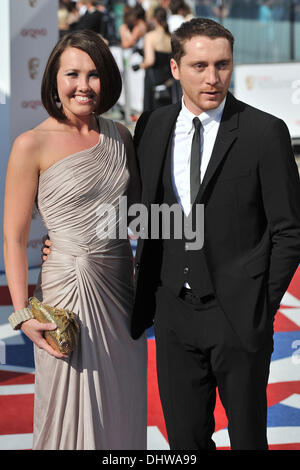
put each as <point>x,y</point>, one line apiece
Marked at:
<point>46,249</point>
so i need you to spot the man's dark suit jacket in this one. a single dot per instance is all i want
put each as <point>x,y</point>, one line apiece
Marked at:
<point>92,21</point>
<point>251,197</point>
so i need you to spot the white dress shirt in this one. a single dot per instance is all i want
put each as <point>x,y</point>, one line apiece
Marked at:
<point>181,149</point>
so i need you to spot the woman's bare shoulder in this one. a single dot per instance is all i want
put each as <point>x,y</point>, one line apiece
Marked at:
<point>151,35</point>
<point>25,145</point>
<point>28,145</point>
<point>33,137</point>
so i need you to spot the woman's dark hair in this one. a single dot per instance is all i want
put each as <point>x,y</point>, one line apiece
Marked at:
<point>139,11</point>
<point>129,17</point>
<point>176,5</point>
<point>109,74</point>
<point>197,27</point>
<point>160,14</point>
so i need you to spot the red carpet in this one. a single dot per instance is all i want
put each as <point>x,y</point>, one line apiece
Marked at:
<point>283,389</point>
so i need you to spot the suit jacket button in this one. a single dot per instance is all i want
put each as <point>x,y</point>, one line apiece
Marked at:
<point>137,266</point>
<point>186,270</point>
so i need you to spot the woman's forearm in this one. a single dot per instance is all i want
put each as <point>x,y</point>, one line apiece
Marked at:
<point>16,268</point>
<point>16,265</point>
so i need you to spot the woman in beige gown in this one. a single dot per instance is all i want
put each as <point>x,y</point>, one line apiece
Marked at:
<point>74,164</point>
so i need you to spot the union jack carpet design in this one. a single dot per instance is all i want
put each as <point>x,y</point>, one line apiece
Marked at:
<point>17,382</point>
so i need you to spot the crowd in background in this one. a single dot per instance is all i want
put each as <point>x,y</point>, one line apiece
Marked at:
<point>145,26</point>
<point>107,16</point>
<point>261,10</point>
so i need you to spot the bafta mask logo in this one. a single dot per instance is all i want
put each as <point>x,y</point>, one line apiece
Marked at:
<point>32,3</point>
<point>33,67</point>
<point>249,82</point>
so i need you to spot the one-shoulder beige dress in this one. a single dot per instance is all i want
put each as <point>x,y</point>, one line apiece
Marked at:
<point>97,398</point>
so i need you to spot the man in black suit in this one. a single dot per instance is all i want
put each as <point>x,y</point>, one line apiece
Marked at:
<point>214,307</point>
<point>92,19</point>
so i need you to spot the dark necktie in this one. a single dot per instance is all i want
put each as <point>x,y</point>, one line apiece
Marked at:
<point>195,161</point>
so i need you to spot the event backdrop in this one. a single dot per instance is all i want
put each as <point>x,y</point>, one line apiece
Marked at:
<point>28,32</point>
<point>274,88</point>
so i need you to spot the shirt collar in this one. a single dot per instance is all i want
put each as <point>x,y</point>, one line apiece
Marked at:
<point>206,117</point>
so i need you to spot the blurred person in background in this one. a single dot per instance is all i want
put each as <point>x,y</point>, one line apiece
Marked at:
<point>165,4</point>
<point>244,9</point>
<point>267,31</point>
<point>109,24</point>
<point>149,7</point>
<point>134,28</point>
<point>281,10</point>
<point>176,18</point>
<point>187,12</point>
<point>132,32</point>
<point>157,56</point>
<point>81,7</point>
<point>67,15</point>
<point>70,5</point>
<point>92,19</point>
<point>203,8</point>
<point>63,24</point>
<point>213,9</point>
<point>265,14</point>
<point>220,9</point>
<point>297,10</point>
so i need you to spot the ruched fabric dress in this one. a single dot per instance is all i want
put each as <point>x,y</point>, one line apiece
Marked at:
<point>97,398</point>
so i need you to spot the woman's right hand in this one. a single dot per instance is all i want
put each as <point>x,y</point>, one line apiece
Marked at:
<point>35,329</point>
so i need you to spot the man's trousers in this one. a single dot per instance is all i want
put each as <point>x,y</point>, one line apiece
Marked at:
<point>197,351</point>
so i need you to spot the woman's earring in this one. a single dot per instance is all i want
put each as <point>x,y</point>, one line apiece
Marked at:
<point>56,97</point>
<point>58,102</point>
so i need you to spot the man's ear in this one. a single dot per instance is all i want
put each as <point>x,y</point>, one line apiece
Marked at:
<point>174,69</point>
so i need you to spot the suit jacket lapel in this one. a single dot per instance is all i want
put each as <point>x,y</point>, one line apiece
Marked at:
<point>157,145</point>
<point>156,139</point>
<point>227,134</point>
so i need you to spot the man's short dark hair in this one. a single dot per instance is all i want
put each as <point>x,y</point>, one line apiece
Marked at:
<point>197,27</point>
<point>109,74</point>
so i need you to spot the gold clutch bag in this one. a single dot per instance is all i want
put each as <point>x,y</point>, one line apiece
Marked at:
<point>65,338</point>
